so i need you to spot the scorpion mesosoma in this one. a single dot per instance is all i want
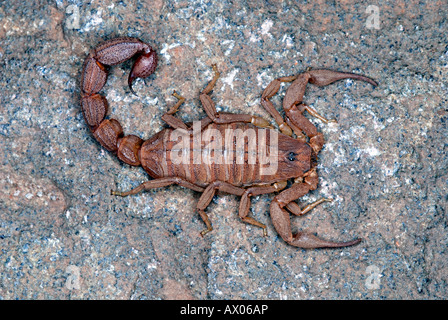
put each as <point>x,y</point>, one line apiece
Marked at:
<point>296,157</point>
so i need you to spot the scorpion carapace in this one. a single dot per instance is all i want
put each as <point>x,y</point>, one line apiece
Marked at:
<point>240,154</point>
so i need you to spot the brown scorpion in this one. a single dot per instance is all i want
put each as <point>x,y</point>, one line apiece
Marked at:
<point>295,157</point>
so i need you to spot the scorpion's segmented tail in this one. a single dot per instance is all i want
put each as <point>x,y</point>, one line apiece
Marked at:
<point>109,132</point>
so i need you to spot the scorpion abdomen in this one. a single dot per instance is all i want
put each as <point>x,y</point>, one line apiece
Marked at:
<point>225,152</point>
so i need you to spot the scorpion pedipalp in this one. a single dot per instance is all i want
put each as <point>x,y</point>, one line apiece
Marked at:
<point>280,216</point>
<point>302,239</point>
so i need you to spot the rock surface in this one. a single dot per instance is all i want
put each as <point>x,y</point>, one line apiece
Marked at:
<point>62,236</point>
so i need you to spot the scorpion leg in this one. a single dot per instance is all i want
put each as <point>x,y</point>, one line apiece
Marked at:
<point>268,93</point>
<point>207,197</point>
<point>169,117</point>
<point>158,183</point>
<point>295,209</point>
<point>255,191</point>
<point>176,123</point>
<point>245,194</point>
<point>220,117</point>
<point>175,108</point>
<point>280,217</point>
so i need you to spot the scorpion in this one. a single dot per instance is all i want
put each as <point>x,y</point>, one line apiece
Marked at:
<point>296,145</point>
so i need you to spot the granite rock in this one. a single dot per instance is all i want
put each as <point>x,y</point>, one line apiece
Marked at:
<point>62,236</point>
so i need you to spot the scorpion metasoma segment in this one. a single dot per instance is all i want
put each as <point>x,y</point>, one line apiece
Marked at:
<point>240,174</point>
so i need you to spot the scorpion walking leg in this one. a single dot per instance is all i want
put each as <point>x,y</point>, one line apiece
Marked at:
<point>268,93</point>
<point>171,120</point>
<point>175,108</point>
<point>295,209</point>
<point>158,183</point>
<point>207,197</point>
<point>255,191</point>
<point>220,117</point>
<point>176,123</point>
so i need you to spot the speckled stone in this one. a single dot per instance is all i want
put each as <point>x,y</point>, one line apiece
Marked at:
<point>63,236</point>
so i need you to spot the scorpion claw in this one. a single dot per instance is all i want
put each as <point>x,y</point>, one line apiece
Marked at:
<point>323,77</point>
<point>306,240</point>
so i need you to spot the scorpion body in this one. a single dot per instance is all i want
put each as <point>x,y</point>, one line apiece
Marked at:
<point>293,155</point>
<point>237,172</point>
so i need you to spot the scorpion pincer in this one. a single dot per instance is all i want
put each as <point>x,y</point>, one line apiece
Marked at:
<point>297,145</point>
